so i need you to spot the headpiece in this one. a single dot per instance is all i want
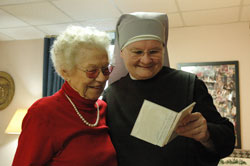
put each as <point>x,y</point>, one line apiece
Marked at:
<point>136,27</point>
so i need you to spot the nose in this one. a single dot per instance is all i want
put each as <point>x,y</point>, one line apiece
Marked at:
<point>146,59</point>
<point>101,77</point>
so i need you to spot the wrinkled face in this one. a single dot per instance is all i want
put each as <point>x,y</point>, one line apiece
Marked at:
<point>143,59</point>
<point>89,64</point>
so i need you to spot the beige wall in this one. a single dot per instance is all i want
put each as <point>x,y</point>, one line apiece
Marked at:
<point>23,60</point>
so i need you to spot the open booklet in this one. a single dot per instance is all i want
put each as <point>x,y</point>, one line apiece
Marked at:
<point>156,124</point>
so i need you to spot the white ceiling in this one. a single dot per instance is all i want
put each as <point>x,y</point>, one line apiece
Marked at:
<point>33,19</point>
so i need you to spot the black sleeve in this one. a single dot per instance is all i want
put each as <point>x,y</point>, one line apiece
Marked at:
<point>220,128</point>
<point>104,95</point>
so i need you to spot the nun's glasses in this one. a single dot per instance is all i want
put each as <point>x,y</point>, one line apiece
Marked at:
<point>152,53</point>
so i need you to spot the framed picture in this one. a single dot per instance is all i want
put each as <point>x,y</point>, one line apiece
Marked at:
<point>7,89</point>
<point>222,81</point>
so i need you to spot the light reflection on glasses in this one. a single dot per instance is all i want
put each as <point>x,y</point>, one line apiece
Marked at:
<point>93,73</point>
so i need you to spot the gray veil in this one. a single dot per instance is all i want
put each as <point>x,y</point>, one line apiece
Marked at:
<point>137,24</point>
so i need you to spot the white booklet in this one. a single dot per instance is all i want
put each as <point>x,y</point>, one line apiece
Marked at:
<point>156,124</point>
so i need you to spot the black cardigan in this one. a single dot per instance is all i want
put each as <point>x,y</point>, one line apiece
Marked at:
<point>173,89</point>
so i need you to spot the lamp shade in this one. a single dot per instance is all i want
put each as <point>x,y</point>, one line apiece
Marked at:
<point>15,124</point>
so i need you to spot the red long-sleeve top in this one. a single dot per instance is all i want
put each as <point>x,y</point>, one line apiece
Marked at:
<point>54,135</point>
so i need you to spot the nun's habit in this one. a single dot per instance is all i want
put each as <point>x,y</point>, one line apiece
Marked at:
<point>169,88</point>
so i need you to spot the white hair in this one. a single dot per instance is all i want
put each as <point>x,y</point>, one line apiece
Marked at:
<point>67,44</point>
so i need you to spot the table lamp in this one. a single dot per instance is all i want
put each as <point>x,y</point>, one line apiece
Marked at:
<point>14,126</point>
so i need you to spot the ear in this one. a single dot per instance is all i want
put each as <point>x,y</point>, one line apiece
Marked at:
<point>65,74</point>
<point>121,53</point>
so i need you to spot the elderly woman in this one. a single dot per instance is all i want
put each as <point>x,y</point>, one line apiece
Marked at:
<point>141,59</point>
<point>69,127</point>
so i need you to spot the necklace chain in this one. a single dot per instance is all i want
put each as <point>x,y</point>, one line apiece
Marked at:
<point>81,117</point>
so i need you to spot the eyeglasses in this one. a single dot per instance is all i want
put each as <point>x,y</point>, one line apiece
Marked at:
<point>93,73</point>
<point>152,53</point>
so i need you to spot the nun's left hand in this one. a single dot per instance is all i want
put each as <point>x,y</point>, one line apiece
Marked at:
<point>194,126</point>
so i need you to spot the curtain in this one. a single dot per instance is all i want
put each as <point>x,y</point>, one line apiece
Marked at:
<point>52,82</point>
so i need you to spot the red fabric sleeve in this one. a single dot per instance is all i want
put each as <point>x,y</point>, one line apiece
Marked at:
<point>35,143</point>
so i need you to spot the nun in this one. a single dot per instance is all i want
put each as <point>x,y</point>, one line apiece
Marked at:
<point>141,71</point>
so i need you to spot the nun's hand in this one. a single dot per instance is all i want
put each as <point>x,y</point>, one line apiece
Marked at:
<point>194,126</point>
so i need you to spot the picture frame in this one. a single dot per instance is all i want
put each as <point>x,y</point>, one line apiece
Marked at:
<point>222,81</point>
<point>7,89</point>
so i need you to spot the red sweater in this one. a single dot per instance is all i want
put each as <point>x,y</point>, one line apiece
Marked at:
<point>54,135</point>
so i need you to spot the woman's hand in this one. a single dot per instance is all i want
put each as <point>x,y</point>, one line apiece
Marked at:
<point>194,126</point>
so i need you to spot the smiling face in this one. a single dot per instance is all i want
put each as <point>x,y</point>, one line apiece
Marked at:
<point>89,60</point>
<point>143,59</point>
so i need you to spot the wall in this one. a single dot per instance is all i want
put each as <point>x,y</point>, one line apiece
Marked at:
<point>23,60</point>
